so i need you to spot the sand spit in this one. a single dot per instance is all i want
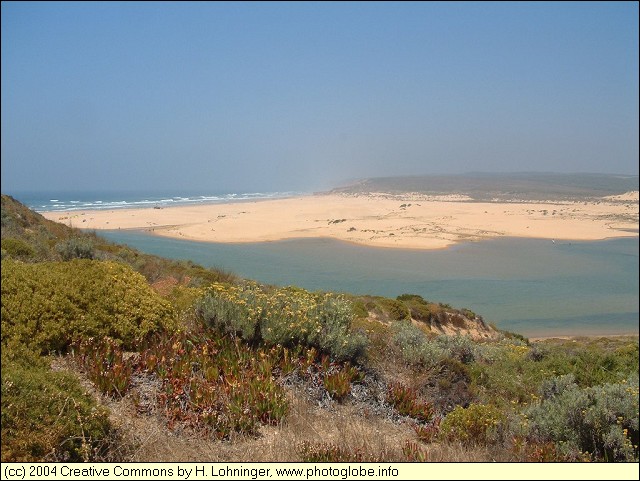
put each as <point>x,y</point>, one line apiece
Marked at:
<point>384,220</point>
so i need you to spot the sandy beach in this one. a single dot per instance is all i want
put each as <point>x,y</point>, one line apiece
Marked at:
<point>383,220</point>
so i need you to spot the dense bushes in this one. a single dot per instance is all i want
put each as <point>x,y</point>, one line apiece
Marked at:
<point>601,421</point>
<point>286,316</point>
<point>419,349</point>
<point>48,305</point>
<point>76,248</point>
<point>432,313</point>
<point>394,309</point>
<point>16,248</point>
<point>28,236</point>
<point>513,372</point>
<point>47,416</point>
<point>477,424</point>
<point>547,401</point>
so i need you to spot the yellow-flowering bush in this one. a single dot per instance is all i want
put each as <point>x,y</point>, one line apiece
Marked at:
<point>49,305</point>
<point>286,316</point>
<point>477,424</point>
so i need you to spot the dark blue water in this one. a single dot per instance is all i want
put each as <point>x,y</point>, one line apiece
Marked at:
<point>534,287</point>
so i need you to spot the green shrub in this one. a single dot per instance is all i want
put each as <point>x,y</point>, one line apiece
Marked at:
<point>411,298</point>
<point>418,349</point>
<point>286,317</point>
<point>594,364</point>
<point>462,348</point>
<point>418,308</point>
<point>536,353</point>
<point>17,248</point>
<point>49,305</point>
<point>237,310</point>
<point>513,373</point>
<point>336,336</point>
<point>478,424</point>
<point>504,372</point>
<point>599,420</point>
<point>414,346</point>
<point>183,300</point>
<point>394,309</point>
<point>469,313</point>
<point>76,248</point>
<point>47,416</point>
<point>360,310</point>
<point>557,385</point>
<point>510,335</point>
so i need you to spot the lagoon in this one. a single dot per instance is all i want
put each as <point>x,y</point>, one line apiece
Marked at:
<point>533,287</point>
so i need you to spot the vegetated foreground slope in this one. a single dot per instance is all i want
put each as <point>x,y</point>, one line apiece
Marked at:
<point>111,354</point>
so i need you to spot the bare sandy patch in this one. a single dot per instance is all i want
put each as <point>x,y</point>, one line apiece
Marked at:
<point>382,220</point>
<point>632,196</point>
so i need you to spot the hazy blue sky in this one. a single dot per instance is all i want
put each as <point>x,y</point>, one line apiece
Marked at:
<point>300,96</point>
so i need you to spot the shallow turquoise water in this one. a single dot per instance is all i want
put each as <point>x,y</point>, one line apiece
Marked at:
<point>533,287</point>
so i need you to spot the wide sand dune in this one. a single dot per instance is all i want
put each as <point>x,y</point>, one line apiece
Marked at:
<point>384,220</point>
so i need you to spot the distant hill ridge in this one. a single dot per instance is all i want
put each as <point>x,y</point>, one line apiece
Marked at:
<point>502,186</point>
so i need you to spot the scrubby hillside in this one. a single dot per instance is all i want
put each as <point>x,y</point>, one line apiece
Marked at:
<point>111,354</point>
<point>29,237</point>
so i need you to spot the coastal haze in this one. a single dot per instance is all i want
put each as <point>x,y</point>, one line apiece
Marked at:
<point>417,126</point>
<point>271,97</point>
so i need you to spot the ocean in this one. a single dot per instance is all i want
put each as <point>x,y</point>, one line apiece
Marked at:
<point>70,201</point>
<point>533,287</point>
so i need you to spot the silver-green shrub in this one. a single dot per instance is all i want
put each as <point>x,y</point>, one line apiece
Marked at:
<point>418,348</point>
<point>286,316</point>
<point>601,421</point>
<point>76,248</point>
